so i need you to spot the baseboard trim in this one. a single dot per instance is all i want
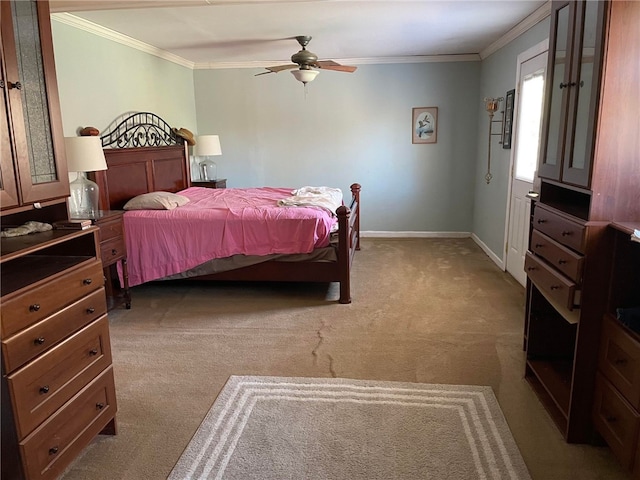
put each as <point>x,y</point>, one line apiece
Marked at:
<point>498,261</point>
<point>382,234</point>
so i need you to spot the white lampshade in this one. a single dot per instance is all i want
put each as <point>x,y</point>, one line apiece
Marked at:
<point>305,76</point>
<point>84,154</point>
<point>207,145</point>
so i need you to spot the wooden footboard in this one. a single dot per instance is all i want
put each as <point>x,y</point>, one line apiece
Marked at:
<point>348,241</point>
<point>322,271</point>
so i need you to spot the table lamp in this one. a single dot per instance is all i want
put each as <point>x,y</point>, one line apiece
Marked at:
<point>84,154</point>
<point>207,146</point>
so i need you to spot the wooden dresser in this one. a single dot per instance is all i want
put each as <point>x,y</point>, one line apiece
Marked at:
<point>57,378</point>
<point>616,408</point>
<point>57,388</point>
<point>588,175</point>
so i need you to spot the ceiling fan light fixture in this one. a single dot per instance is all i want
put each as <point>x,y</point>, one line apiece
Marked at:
<point>305,76</point>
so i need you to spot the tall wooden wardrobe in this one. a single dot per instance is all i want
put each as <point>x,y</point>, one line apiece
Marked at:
<point>57,387</point>
<point>589,176</point>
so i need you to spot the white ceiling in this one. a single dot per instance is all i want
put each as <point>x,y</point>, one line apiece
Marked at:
<point>232,33</point>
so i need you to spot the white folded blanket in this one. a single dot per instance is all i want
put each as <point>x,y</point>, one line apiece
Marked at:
<point>26,229</point>
<point>324,197</point>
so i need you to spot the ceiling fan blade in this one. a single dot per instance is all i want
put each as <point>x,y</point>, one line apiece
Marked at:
<point>326,63</point>
<point>276,69</point>
<point>338,68</point>
<point>280,68</point>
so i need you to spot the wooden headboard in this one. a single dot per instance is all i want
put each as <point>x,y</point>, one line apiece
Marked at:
<point>144,154</point>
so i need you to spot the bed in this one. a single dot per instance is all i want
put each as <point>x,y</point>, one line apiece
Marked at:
<point>144,154</point>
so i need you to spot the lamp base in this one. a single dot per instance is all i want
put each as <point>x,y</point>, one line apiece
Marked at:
<point>84,198</point>
<point>208,170</point>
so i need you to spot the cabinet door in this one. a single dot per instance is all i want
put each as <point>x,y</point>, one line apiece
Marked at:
<point>8,185</point>
<point>557,99</point>
<point>33,102</point>
<point>584,89</point>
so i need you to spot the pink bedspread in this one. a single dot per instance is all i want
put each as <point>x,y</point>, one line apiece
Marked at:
<point>218,223</point>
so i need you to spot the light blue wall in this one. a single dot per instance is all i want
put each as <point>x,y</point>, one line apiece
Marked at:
<point>497,76</point>
<point>352,128</point>
<point>99,80</point>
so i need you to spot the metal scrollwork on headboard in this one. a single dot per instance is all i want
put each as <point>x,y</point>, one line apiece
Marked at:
<point>142,129</point>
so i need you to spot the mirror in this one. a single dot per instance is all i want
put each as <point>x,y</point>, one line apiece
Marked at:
<point>583,88</point>
<point>560,69</point>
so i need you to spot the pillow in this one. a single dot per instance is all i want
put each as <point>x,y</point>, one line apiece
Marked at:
<point>156,201</point>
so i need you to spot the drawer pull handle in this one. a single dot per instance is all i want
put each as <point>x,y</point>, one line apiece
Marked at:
<point>539,245</point>
<point>620,361</point>
<point>562,262</point>
<point>555,287</point>
<point>99,406</point>
<point>44,389</point>
<point>93,352</point>
<point>53,450</point>
<point>531,268</point>
<point>87,281</point>
<point>542,220</point>
<point>39,341</point>
<point>34,308</point>
<point>114,252</point>
<point>611,418</point>
<point>90,310</point>
<point>567,233</point>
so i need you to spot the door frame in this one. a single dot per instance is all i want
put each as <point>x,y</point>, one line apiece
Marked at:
<point>522,57</point>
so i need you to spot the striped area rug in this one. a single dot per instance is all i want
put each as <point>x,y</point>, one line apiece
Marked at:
<point>317,428</point>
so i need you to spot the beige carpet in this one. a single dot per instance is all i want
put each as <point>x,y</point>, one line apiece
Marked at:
<point>304,428</point>
<point>434,311</point>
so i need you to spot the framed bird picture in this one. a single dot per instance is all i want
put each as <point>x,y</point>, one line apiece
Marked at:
<point>425,125</point>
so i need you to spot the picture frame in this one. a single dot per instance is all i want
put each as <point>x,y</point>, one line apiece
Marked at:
<point>424,125</point>
<point>507,125</point>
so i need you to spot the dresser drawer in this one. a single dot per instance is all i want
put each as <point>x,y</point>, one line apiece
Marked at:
<point>46,297</point>
<point>112,250</point>
<point>44,385</point>
<point>561,229</point>
<point>32,341</point>
<point>54,445</point>
<point>616,421</point>
<point>110,228</point>
<point>619,360</point>
<point>554,284</point>
<point>565,260</point>
<point>636,464</point>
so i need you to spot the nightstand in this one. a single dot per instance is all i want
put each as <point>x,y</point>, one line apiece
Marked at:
<point>219,183</point>
<point>113,250</point>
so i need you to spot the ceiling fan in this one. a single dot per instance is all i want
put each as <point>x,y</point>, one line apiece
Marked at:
<point>307,62</point>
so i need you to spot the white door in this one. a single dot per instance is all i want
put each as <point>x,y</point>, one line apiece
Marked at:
<point>525,143</point>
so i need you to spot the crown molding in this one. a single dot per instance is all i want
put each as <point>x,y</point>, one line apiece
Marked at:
<point>82,24</point>
<point>57,6</point>
<point>536,17</point>
<point>472,57</point>
<point>94,28</point>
